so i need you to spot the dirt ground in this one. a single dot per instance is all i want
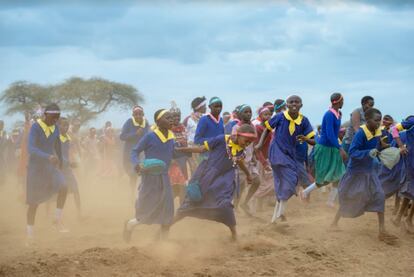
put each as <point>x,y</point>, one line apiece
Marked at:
<point>94,247</point>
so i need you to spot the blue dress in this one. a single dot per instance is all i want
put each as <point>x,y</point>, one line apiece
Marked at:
<point>302,162</point>
<point>70,179</point>
<point>407,189</point>
<point>282,152</point>
<point>360,189</point>
<point>207,128</point>
<point>216,178</point>
<point>393,179</point>
<point>155,203</point>
<point>130,137</point>
<point>43,178</point>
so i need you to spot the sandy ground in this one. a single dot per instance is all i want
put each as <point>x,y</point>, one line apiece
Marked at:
<point>94,247</point>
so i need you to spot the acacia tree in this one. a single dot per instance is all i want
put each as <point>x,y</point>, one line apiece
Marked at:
<point>22,96</point>
<point>80,98</point>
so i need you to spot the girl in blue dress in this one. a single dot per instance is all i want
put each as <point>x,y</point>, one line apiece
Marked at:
<point>360,189</point>
<point>216,178</point>
<point>132,131</point>
<point>44,177</point>
<point>67,164</point>
<point>155,203</point>
<point>290,128</point>
<point>406,146</point>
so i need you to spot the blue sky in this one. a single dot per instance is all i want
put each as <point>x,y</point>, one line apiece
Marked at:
<point>243,51</point>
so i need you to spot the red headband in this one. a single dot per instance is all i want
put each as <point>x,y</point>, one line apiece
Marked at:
<point>263,109</point>
<point>247,135</point>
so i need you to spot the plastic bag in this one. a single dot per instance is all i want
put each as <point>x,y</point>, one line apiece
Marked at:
<point>389,157</point>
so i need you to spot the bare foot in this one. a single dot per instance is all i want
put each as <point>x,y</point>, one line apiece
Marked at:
<point>334,228</point>
<point>246,209</point>
<point>126,234</point>
<point>396,222</point>
<point>387,238</point>
<point>407,227</point>
<point>330,205</point>
<point>302,195</point>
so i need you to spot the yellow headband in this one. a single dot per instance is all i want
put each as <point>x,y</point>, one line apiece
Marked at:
<point>161,114</point>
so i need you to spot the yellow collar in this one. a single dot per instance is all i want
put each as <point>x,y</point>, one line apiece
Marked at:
<point>235,148</point>
<point>48,130</point>
<point>368,133</point>
<point>136,124</point>
<point>161,136</point>
<point>64,138</point>
<point>1,133</point>
<point>292,122</point>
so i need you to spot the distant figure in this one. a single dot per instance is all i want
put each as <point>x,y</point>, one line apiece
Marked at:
<point>357,119</point>
<point>132,131</point>
<point>90,145</point>
<point>4,143</point>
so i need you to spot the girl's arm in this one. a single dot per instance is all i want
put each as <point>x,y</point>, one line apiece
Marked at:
<point>243,167</point>
<point>259,145</point>
<point>194,149</point>
<point>141,146</point>
<point>395,131</point>
<point>356,120</point>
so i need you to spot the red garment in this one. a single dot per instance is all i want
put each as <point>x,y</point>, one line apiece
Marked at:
<point>263,154</point>
<point>176,176</point>
<point>180,134</point>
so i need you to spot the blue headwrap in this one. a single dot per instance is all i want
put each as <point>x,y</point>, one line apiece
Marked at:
<point>214,100</point>
<point>242,107</point>
<point>281,105</point>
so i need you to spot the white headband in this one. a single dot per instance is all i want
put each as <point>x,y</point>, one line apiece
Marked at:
<point>53,112</point>
<point>201,104</point>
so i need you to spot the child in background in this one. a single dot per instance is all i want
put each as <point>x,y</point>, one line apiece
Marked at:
<point>68,164</point>
<point>266,187</point>
<point>178,169</point>
<point>132,131</point>
<point>406,146</point>
<point>329,156</point>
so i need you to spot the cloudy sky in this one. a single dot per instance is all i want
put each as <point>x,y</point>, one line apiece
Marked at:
<point>242,51</point>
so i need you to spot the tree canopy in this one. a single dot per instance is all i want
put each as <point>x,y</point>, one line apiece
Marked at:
<point>83,99</point>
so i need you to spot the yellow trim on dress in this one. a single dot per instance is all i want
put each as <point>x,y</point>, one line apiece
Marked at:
<point>64,138</point>
<point>136,124</point>
<point>48,130</point>
<point>310,135</point>
<point>235,148</point>
<point>206,145</point>
<point>368,133</point>
<point>292,121</point>
<point>267,125</point>
<point>161,136</point>
<point>399,127</point>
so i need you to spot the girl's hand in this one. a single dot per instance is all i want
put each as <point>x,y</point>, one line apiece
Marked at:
<point>301,138</point>
<point>344,155</point>
<point>53,160</point>
<point>403,150</point>
<point>137,168</point>
<point>249,179</point>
